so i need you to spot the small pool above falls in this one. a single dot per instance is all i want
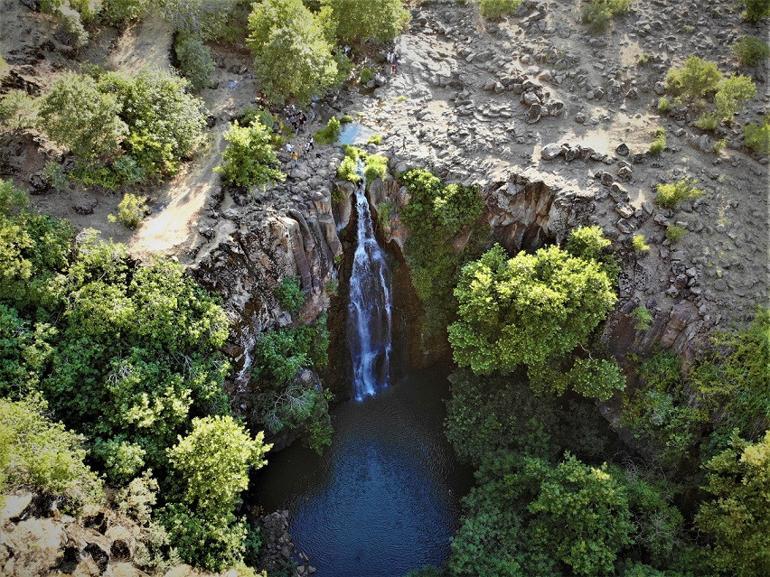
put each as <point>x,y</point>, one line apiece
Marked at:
<point>354,133</point>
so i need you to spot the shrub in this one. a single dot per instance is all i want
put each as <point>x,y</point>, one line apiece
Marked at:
<point>751,51</point>
<point>732,93</point>
<point>195,61</point>
<point>82,118</point>
<point>675,233</point>
<point>707,121</point>
<point>640,244</point>
<point>756,10</point>
<point>376,166</point>
<point>659,144</point>
<point>205,18</point>
<point>375,139</point>
<point>71,24</point>
<point>496,9</point>
<point>214,460</point>
<point>694,79</point>
<point>44,456</point>
<point>669,195</point>
<point>289,294</point>
<point>737,514</point>
<point>166,124</point>
<point>122,460</point>
<point>501,327</point>
<point>757,136</point>
<point>348,170</point>
<point>598,14</point>
<point>18,110</point>
<point>292,56</point>
<point>249,159</point>
<point>643,318</point>
<point>131,210</point>
<point>359,20</point>
<point>120,12</point>
<point>329,133</point>
<point>366,75</point>
<point>663,105</point>
<point>588,242</point>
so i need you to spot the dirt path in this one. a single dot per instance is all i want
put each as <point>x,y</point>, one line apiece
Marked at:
<point>171,228</point>
<point>146,45</point>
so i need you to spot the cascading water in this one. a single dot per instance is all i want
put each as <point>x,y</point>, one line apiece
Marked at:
<point>370,309</point>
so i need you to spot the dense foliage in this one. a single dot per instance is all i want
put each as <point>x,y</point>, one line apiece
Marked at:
<point>249,159</point>
<point>438,216</point>
<point>292,57</point>
<point>359,20</point>
<point>526,310</point>
<point>194,60</point>
<point>123,129</point>
<point>129,355</point>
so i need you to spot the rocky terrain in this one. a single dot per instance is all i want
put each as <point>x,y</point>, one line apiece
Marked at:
<point>552,122</point>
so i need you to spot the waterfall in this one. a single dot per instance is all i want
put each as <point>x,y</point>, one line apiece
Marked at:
<point>370,307</point>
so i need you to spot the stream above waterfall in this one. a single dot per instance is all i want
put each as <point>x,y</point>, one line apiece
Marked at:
<point>384,499</point>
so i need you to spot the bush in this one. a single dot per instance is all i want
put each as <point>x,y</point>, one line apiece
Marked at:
<point>249,159</point>
<point>659,144</point>
<point>751,51</point>
<point>501,327</point>
<point>598,14</point>
<point>675,233</point>
<point>214,460</point>
<point>642,318</point>
<point>208,19</point>
<point>165,123</point>
<point>640,244</point>
<point>756,10</point>
<point>669,195</point>
<point>663,105</point>
<point>707,121</point>
<point>41,455</point>
<point>348,170</point>
<point>376,166</point>
<point>359,20</point>
<point>77,115</point>
<point>18,110</point>
<point>122,460</point>
<point>131,210</point>
<point>329,133</point>
<point>289,294</point>
<point>588,242</point>
<point>694,79</point>
<point>757,136</point>
<point>195,61</point>
<point>496,9</point>
<point>120,12</point>
<point>737,514</point>
<point>732,93</point>
<point>292,56</point>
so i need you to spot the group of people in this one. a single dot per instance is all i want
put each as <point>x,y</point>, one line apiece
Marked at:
<point>294,151</point>
<point>294,116</point>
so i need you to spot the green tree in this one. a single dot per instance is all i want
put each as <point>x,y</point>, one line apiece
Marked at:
<point>732,93</point>
<point>694,79</point>
<point>43,455</point>
<point>756,10</point>
<point>214,461</point>
<point>292,56</point>
<point>737,514</point>
<point>526,310</point>
<point>249,159</point>
<point>195,60</point>
<point>528,517</point>
<point>166,123</point>
<point>359,20</point>
<point>80,117</point>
